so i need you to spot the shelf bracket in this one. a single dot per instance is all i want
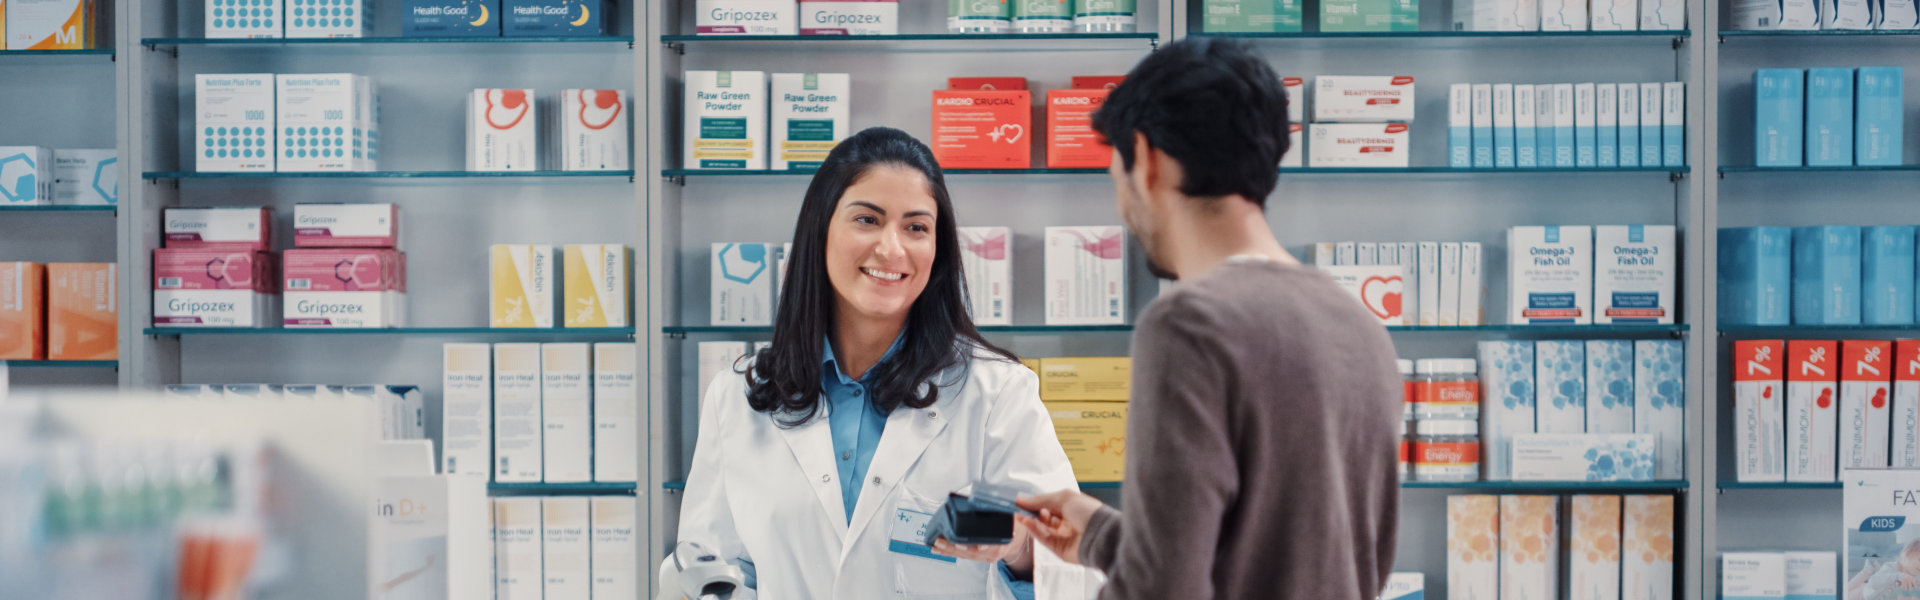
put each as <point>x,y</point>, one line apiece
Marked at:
<point>679,48</point>
<point>1675,177</point>
<point>677,335</point>
<point>1679,41</point>
<point>679,180</point>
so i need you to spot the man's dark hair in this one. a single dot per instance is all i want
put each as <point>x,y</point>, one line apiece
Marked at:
<point>1214,106</point>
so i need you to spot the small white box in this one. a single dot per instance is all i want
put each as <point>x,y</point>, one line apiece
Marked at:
<point>598,293</point>
<point>1482,120</point>
<point>1593,560</point>
<point>1565,122</point>
<point>1529,543</point>
<point>26,176</point>
<point>1449,284</point>
<point>1813,576</point>
<point>1359,145</point>
<point>1086,271</point>
<point>1405,586</point>
<point>524,285</point>
<point>234,123</point>
<point>1373,286</point>
<point>616,412</point>
<point>1472,286</point>
<point>1659,402</point>
<point>1346,253</point>
<point>850,17</point>
<point>566,412</point>
<point>1647,547</point>
<point>1609,386</point>
<point>1583,457</point>
<point>255,392</point>
<point>1633,274</point>
<point>1428,256</point>
<point>1296,146</point>
<point>746,17</point>
<point>1905,453</point>
<point>1526,130</point>
<point>1563,15</point>
<point>1663,15</point>
<point>743,283</point>
<point>86,177</point>
<point>516,414</point>
<point>1366,254</point>
<point>1322,254</point>
<point>717,359</point>
<point>1503,133</point>
<point>502,130</point>
<point>1460,125</point>
<point>1865,415</point>
<point>1584,122</point>
<point>1606,130</point>
<point>1753,576</point>
<point>615,548</point>
<point>1673,123</point>
<point>1628,124</point>
<point>1496,15</point>
<point>251,227</point>
<point>517,548</point>
<point>1560,368</point>
<point>399,407</point>
<point>1507,409</point>
<point>346,225</point>
<point>592,131</point>
<point>810,112</point>
<point>1413,284</point>
<point>1759,410</point>
<point>1615,15</point>
<point>567,548</point>
<point>1550,275</point>
<point>321,122</point>
<point>1473,537</point>
<point>1363,99</point>
<point>259,19</point>
<point>1650,115</point>
<point>726,120</point>
<point>1848,14</point>
<point>1813,415</point>
<point>466,409</point>
<point>986,254</point>
<point>330,19</point>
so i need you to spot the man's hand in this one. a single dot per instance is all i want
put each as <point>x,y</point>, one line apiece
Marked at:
<point>1063,518</point>
<point>1018,554</point>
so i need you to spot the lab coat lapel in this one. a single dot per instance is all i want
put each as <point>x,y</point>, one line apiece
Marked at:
<point>812,446</point>
<point>909,432</point>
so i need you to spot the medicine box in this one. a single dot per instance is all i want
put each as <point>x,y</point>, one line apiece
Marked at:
<point>1583,457</point>
<point>1482,120</point>
<point>48,24</point>
<point>1659,402</point>
<point>1647,536</point>
<point>466,410</point>
<point>399,407</point>
<point>1848,14</point>
<point>26,176</point>
<point>86,177</point>
<point>346,225</point>
<point>1826,275</point>
<point>1628,101</point>
<point>1753,576</point>
<point>1407,256</point>
<point>1473,547</point>
<point>746,17</point>
<point>1094,434</point>
<point>1560,394</point>
<point>1472,286</point>
<point>1776,14</point>
<point>1584,121</point>
<point>83,311</point>
<point>1563,15</point>
<point>1615,15</point>
<point>233,123</point>
<point>982,129</point>
<point>1779,117</point>
<point>1673,124</point>
<point>616,412</point>
<point>1496,15</point>
<point>344,287</point>
<point>1429,280</point>
<point>517,548</point>
<point>502,130</point>
<point>1813,398</point>
<point>1650,114</point>
<point>255,392</point>
<point>743,290</point>
<point>1877,116</point>
<point>330,18</point>
<point>1357,15</point>
<point>450,18</point>
<point>1405,586</point>
<point>1830,122</point>
<point>218,228</point>
<point>1507,407</point>
<point>1566,141</point>
<point>1898,15</point>
<point>1366,253</point>
<point>322,124</point>
<point>726,123</point>
<point>23,311</point>
<point>615,547</point>
<point>1460,125</point>
<point>1251,16</point>
<point>860,17</point>
<point>1550,275</point>
<point>1905,453</point>
<point>214,287</point>
<point>810,112</point>
<point>598,291</point>
<point>1363,99</point>
<point>566,413</point>
<point>590,131</point>
<point>1296,146</point>
<point>517,428</point>
<point>1663,15</point>
<point>524,286</point>
<point>1525,127</point>
<point>1101,379</point>
<point>1086,275</point>
<point>1593,558</point>
<point>1865,415</point>
<point>1759,410</point>
<point>1756,275</point>
<point>247,19</point>
<point>1887,275</point>
<point>1296,89</point>
<point>1529,539</point>
<point>1609,386</point>
<point>1606,129</point>
<point>1374,286</point>
<point>1634,274</point>
<point>1358,145</point>
<point>1071,141</point>
<point>986,255</point>
<point>1813,576</point>
<point>561,18</point>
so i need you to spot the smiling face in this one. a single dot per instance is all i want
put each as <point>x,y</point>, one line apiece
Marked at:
<point>881,244</point>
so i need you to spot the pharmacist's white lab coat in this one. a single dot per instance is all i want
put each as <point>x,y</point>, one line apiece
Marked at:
<point>771,496</point>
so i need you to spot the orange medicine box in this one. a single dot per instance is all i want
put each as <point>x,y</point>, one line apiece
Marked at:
<point>982,129</point>
<point>1071,140</point>
<point>23,311</point>
<point>987,84</point>
<point>83,311</point>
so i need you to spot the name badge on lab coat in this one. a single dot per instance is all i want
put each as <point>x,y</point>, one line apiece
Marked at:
<point>909,528</point>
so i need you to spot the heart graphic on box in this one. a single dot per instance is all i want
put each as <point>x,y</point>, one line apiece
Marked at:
<point>1382,296</point>
<point>509,101</point>
<point>599,111</point>
<point>1010,132</point>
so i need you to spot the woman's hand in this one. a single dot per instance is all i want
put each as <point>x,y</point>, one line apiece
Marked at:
<point>1063,518</point>
<point>1018,554</point>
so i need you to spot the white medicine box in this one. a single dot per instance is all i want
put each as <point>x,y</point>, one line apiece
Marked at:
<point>247,19</point>
<point>592,133</point>
<point>329,18</point>
<point>1550,275</point>
<point>1363,99</point>
<point>1382,145</point>
<point>324,122</point>
<point>502,130</point>
<point>1633,274</point>
<point>233,129</point>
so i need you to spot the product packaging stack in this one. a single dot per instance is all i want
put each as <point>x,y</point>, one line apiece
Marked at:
<point>1511,547</point>
<point>217,269</point>
<point>1808,410</point>
<point>261,123</point>
<point>1087,398</point>
<point>1804,15</point>
<point>26,176</point>
<point>574,547</point>
<point>1571,410</point>
<point>1361,121</point>
<point>577,285</point>
<point>345,270</point>
<point>1431,284</point>
<point>1566,125</point>
<point>59,311</point>
<point>534,413</point>
<point>1826,275</point>
<point>1830,117</point>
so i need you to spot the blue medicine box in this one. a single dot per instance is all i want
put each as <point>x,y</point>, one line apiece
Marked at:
<point>562,18</point>
<point>1826,275</point>
<point>450,18</point>
<point>1886,275</point>
<point>1876,116</point>
<point>1830,117</point>
<point>1756,275</point>
<point>1779,117</point>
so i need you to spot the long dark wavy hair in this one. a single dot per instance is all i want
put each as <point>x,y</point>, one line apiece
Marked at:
<point>784,379</point>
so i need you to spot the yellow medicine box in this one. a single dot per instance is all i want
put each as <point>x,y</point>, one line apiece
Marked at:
<point>1094,435</point>
<point>1087,378</point>
<point>1031,364</point>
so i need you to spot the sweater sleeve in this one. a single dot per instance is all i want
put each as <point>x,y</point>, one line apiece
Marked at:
<point>1163,545</point>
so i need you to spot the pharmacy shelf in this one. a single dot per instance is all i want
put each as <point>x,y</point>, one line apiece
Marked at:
<point>515,332</point>
<point>106,208</point>
<point>1675,485</point>
<point>1592,330</point>
<point>1031,329</point>
<point>1289,171</point>
<point>1843,169</point>
<point>917,37</point>
<point>159,175</point>
<point>596,488</point>
<point>1085,485</point>
<point>674,173</point>
<point>1445,35</point>
<point>86,52</point>
<point>1830,33</point>
<point>257,43</point>
<point>1801,331</point>
<point>1777,485</point>
<point>932,42</point>
<point>75,364</point>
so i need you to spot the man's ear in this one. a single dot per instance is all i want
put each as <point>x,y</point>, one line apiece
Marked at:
<point>1146,164</point>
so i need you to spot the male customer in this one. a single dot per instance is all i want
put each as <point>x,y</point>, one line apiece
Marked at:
<point>1261,441</point>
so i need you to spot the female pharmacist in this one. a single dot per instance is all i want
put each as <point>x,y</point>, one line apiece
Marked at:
<point>818,464</point>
